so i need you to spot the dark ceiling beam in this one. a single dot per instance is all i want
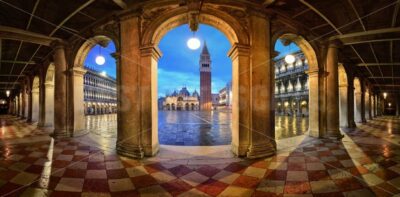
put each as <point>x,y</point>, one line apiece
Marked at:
<point>5,82</point>
<point>122,4</point>
<point>385,77</point>
<point>17,62</point>
<point>301,13</point>
<point>11,33</point>
<point>336,29</point>
<point>376,35</point>
<point>31,15</point>
<point>380,64</point>
<point>319,26</point>
<point>9,75</point>
<point>365,29</point>
<point>387,85</point>
<point>60,25</point>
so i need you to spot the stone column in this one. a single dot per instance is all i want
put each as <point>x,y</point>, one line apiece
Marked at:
<point>368,105</point>
<point>314,77</point>
<point>19,105</point>
<point>372,97</point>
<point>358,106</point>
<point>23,101</point>
<point>363,120</point>
<point>60,90</point>
<point>35,105</point>
<point>76,101</point>
<point>396,100</point>
<point>48,104</point>
<point>129,140</point>
<point>29,112</point>
<point>148,93</point>
<point>257,77</point>
<point>350,102</point>
<point>332,92</point>
<point>344,105</point>
<point>239,55</point>
<point>376,105</point>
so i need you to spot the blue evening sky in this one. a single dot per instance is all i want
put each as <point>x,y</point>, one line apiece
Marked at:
<point>179,66</point>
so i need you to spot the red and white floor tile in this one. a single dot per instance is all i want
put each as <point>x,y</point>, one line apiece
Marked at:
<point>365,163</point>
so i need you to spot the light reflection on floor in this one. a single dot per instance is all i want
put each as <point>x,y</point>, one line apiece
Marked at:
<point>196,128</point>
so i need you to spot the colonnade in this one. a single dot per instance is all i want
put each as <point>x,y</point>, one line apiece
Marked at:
<point>253,133</point>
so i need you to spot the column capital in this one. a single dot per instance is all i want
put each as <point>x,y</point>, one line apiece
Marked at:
<point>238,49</point>
<point>313,73</point>
<point>334,44</point>
<point>150,50</point>
<point>77,71</point>
<point>58,44</point>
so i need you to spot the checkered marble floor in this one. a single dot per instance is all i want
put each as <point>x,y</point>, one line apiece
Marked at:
<point>365,163</point>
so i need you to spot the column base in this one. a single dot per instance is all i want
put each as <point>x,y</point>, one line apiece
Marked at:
<point>150,151</point>
<point>239,151</point>
<point>132,151</point>
<point>265,149</point>
<point>57,134</point>
<point>334,135</point>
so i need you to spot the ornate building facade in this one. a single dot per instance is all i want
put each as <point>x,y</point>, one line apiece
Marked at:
<point>181,101</point>
<point>291,86</point>
<point>225,96</point>
<point>100,93</point>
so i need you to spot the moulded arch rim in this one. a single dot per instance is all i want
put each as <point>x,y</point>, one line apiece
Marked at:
<point>86,46</point>
<point>220,20</point>
<point>50,72</point>
<point>357,85</point>
<point>305,46</point>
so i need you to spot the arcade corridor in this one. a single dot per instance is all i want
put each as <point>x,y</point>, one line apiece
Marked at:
<point>62,63</point>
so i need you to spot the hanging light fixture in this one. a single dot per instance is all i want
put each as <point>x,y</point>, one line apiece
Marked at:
<point>193,43</point>
<point>8,93</point>
<point>384,95</point>
<point>194,10</point>
<point>100,60</point>
<point>289,58</point>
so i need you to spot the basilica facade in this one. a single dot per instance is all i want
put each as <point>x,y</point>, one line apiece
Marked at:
<point>291,86</point>
<point>181,101</point>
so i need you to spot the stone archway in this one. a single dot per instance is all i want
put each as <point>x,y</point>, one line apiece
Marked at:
<point>313,78</point>
<point>76,100</point>
<point>252,127</point>
<point>345,99</point>
<point>35,99</point>
<point>49,96</point>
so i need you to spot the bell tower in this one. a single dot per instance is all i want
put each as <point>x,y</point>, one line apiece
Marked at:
<point>205,79</point>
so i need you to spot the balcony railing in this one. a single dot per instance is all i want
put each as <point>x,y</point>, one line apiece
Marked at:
<point>292,94</point>
<point>290,72</point>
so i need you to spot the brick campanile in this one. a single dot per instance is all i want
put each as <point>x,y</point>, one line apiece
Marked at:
<point>205,79</point>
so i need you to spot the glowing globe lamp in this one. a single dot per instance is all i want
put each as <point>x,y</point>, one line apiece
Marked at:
<point>100,60</point>
<point>193,43</point>
<point>290,59</point>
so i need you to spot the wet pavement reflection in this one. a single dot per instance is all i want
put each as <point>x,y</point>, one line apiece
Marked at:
<point>196,128</point>
<point>286,126</point>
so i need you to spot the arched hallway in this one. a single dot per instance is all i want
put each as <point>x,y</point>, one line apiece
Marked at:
<point>59,138</point>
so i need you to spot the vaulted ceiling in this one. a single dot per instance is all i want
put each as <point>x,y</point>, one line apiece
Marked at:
<point>369,29</point>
